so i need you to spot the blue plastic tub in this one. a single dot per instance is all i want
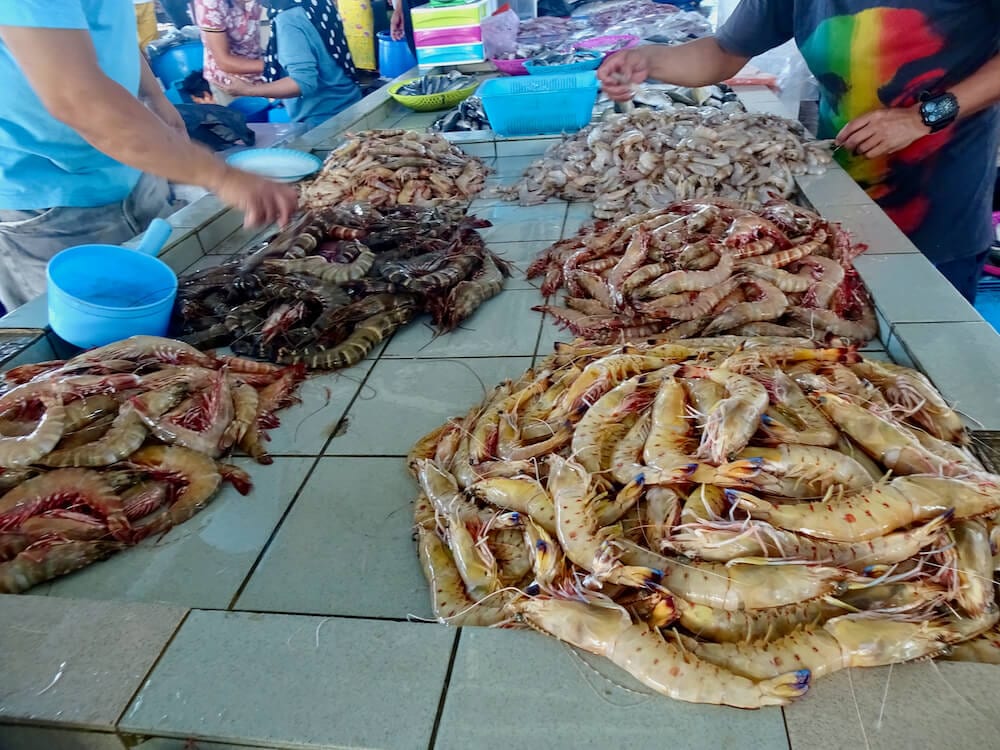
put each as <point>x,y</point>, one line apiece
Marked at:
<point>394,58</point>
<point>539,105</point>
<point>253,108</point>
<point>554,70</point>
<point>98,294</point>
<point>177,63</point>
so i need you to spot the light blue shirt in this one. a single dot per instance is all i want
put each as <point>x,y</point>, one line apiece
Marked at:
<point>44,163</point>
<point>326,87</point>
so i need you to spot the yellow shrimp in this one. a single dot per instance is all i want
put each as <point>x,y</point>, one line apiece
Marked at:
<point>706,502</point>
<point>601,428</point>
<point>735,419</point>
<point>23,450</point>
<point>838,644</point>
<point>601,376</point>
<point>913,392</point>
<point>974,567</point>
<point>877,510</point>
<point>579,530</point>
<point>669,444</point>
<point>485,432</point>
<point>748,625</point>
<point>883,440</point>
<point>733,587</point>
<point>795,471</point>
<point>727,541</point>
<point>450,601</point>
<point>661,512</point>
<point>626,462</point>
<point>475,562</point>
<point>547,559</point>
<point>704,395</point>
<point>520,494</point>
<point>608,631</point>
<point>809,426</point>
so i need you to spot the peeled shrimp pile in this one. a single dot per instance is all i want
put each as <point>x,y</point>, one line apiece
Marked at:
<point>336,283</point>
<point>122,443</point>
<point>709,267</point>
<point>386,167</point>
<point>644,160</point>
<point>713,514</point>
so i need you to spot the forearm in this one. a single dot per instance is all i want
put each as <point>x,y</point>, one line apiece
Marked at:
<point>149,86</point>
<point>239,66</point>
<point>698,63</point>
<point>117,124</point>
<point>980,90</point>
<point>283,88</point>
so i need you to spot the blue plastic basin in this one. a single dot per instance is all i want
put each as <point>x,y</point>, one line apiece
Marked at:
<point>394,58</point>
<point>98,294</point>
<point>177,63</point>
<point>253,108</point>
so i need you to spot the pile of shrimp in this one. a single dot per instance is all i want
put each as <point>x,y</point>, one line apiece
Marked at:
<point>708,267</point>
<point>389,167</point>
<point>337,282</point>
<point>122,443</point>
<point>725,518</point>
<point>646,159</point>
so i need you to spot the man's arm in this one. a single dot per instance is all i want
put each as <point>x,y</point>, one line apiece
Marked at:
<point>886,131</point>
<point>698,63</point>
<point>154,98</point>
<point>75,91</point>
<point>218,43</point>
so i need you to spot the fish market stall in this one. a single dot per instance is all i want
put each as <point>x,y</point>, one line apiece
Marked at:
<point>297,616</point>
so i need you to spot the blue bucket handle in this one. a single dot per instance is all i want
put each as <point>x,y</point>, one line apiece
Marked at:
<point>155,237</point>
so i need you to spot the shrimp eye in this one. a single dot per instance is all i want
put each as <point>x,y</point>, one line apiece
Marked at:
<point>533,590</point>
<point>767,420</point>
<point>541,545</point>
<point>755,460</point>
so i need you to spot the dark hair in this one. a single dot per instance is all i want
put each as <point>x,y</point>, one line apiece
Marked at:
<point>196,85</point>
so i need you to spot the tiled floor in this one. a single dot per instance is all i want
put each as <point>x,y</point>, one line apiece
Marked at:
<point>305,596</point>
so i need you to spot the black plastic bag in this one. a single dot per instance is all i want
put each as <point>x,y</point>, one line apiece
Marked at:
<point>216,127</point>
<point>558,8</point>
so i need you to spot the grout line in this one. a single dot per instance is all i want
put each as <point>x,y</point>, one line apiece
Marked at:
<point>788,735</point>
<point>149,673</point>
<point>274,533</point>
<point>298,492</point>
<point>444,690</point>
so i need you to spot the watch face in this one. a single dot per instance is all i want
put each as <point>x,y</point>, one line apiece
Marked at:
<point>938,109</point>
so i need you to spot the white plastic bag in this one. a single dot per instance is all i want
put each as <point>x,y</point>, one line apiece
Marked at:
<point>500,34</point>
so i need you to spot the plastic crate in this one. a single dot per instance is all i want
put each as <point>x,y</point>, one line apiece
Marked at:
<point>557,70</point>
<point>539,105</point>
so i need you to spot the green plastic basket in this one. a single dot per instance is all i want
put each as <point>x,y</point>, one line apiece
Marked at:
<point>431,102</point>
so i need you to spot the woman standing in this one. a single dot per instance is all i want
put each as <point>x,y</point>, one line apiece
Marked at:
<point>401,24</point>
<point>307,62</point>
<point>230,30</point>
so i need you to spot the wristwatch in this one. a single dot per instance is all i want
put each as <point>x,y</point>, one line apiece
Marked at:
<point>938,112</point>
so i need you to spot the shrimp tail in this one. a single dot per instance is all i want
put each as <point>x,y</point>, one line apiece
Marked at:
<point>789,685</point>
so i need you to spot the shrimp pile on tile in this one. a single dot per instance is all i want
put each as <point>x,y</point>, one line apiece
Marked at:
<point>709,267</point>
<point>328,289</point>
<point>725,518</point>
<point>630,163</point>
<point>122,443</point>
<point>389,167</point>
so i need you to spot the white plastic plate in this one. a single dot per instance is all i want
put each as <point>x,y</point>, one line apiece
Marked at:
<point>281,164</point>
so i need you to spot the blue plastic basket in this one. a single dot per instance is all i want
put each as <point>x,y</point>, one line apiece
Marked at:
<point>539,105</point>
<point>555,70</point>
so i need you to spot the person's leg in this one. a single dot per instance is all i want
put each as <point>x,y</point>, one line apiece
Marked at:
<point>29,239</point>
<point>145,19</point>
<point>964,273</point>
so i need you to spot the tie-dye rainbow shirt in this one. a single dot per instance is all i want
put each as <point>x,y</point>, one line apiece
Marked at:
<point>869,55</point>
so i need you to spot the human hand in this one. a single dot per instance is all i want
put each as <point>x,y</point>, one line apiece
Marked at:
<point>396,27</point>
<point>622,71</point>
<point>883,132</point>
<point>262,201</point>
<point>238,87</point>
